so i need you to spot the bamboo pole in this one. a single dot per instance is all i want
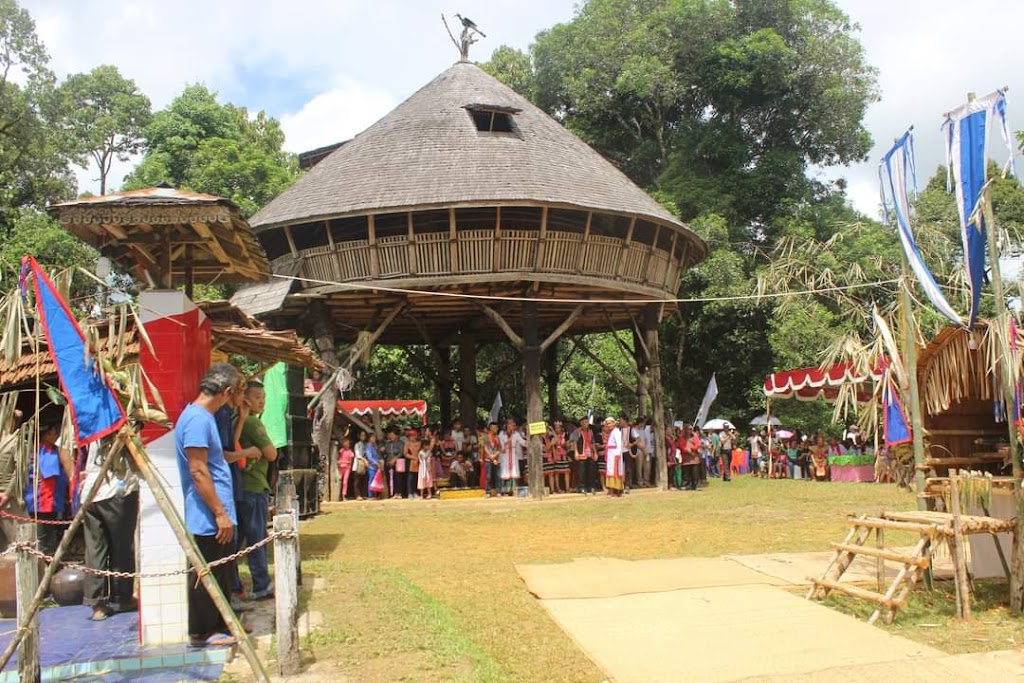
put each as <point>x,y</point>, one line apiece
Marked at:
<point>910,355</point>
<point>25,618</point>
<point>963,588</point>
<point>163,501</point>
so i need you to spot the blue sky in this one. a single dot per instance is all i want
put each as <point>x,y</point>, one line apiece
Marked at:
<point>330,68</point>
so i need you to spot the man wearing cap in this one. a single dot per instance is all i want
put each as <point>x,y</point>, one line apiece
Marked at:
<point>614,467</point>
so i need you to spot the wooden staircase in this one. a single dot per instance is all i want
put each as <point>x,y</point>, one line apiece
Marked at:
<point>912,566</point>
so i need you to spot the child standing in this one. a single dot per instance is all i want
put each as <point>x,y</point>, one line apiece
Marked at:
<point>345,458</point>
<point>425,481</point>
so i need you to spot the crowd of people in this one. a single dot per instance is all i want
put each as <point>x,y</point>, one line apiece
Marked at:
<point>613,456</point>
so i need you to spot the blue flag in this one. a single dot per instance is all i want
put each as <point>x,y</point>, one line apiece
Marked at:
<point>95,411</point>
<point>898,176</point>
<point>896,429</point>
<point>967,131</point>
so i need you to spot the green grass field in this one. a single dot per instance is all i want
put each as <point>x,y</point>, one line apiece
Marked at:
<point>427,590</point>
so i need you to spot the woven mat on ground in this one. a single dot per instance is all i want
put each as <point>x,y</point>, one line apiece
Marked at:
<point>605,577</point>
<point>729,633</point>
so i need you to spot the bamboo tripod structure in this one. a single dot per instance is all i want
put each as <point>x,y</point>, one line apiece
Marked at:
<point>126,439</point>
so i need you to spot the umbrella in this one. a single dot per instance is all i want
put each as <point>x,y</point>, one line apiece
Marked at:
<point>718,424</point>
<point>763,420</point>
<point>784,434</point>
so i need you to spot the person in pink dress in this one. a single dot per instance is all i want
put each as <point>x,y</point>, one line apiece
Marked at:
<point>345,458</point>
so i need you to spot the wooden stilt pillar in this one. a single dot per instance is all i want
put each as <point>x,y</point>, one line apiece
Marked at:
<point>323,335</point>
<point>444,386</point>
<point>468,390</point>
<point>642,368</point>
<point>551,371</point>
<point>531,387</point>
<point>651,320</point>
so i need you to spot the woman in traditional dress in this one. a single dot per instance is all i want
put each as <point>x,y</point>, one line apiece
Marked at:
<point>614,468</point>
<point>556,466</point>
<point>345,458</point>
<point>425,482</point>
<point>490,455</point>
<point>375,468</point>
<point>412,458</point>
<point>508,462</point>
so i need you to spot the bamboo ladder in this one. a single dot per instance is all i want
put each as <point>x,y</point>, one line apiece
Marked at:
<point>912,566</point>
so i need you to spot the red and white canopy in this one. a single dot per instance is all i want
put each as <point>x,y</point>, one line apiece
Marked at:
<point>386,408</point>
<point>810,384</point>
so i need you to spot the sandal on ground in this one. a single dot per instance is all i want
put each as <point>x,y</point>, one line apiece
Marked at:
<point>101,613</point>
<point>214,640</point>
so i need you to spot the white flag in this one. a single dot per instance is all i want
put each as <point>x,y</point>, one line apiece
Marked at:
<point>496,407</point>
<point>709,397</point>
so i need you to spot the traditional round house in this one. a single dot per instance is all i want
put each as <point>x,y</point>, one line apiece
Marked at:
<point>465,216</point>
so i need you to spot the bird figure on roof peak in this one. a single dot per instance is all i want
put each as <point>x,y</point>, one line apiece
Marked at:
<point>470,31</point>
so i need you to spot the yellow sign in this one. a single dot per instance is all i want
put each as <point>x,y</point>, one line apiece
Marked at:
<point>538,429</point>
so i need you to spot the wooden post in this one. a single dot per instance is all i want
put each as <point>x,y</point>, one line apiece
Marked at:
<point>641,361</point>
<point>27,581</point>
<point>288,503</point>
<point>323,334</point>
<point>771,430</point>
<point>963,588</point>
<point>468,391</point>
<point>531,387</point>
<point>286,595</point>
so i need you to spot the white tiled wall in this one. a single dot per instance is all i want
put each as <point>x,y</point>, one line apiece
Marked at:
<point>163,602</point>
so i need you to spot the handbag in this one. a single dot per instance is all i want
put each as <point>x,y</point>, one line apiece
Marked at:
<point>400,465</point>
<point>359,466</point>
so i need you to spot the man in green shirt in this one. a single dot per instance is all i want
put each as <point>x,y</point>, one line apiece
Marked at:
<point>252,513</point>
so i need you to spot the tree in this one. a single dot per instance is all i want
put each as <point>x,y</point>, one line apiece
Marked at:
<point>718,108</point>
<point>34,233</point>
<point>202,145</point>
<point>106,117</point>
<point>33,168</point>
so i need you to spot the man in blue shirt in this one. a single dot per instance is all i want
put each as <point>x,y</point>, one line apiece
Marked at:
<point>209,499</point>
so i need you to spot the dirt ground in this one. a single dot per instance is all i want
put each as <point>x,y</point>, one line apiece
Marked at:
<point>427,590</point>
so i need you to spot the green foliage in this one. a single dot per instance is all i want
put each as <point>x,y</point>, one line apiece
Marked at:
<point>106,117</point>
<point>512,67</point>
<point>36,234</point>
<point>33,168</point>
<point>199,144</point>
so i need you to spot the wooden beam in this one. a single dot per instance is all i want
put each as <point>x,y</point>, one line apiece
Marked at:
<point>291,241</point>
<point>453,245</point>
<point>495,251</point>
<point>413,264</point>
<point>583,244</point>
<point>371,234</point>
<point>538,247</point>
<point>560,330</point>
<point>612,372</point>
<point>496,318</point>
<point>354,419</point>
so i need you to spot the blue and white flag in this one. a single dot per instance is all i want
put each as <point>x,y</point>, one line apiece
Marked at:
<point>967,130</point>
<point>898,173</point>
<point>896,429</point>
<point>710,394</point>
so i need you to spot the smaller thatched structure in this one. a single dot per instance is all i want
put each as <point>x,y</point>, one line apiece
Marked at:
<point>960,380</point>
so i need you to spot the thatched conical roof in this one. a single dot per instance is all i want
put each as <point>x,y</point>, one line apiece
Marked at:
<point>428,152</point>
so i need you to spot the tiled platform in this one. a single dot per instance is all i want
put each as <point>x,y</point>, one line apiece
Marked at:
<point>73,646</point>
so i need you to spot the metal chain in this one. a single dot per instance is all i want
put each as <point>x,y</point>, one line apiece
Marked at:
<point>33,520</point>
<point>31,550</point>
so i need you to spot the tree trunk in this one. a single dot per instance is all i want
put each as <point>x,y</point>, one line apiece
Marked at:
<point>323,335</point>
<point>641,374</point>
<point>551,370</point>
<point>651,321</point>
<point>531,387</point>
<point>444,386</point>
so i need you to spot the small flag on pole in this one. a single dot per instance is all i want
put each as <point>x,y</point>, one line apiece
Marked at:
<point>710,394</point>
<point>896,429</point>
<point>496,407</point>
<point>95,411</point>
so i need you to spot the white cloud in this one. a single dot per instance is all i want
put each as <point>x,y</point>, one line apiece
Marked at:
<point>334,116</point>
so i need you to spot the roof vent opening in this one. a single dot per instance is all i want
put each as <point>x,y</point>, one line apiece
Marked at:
<point>489,118</point>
